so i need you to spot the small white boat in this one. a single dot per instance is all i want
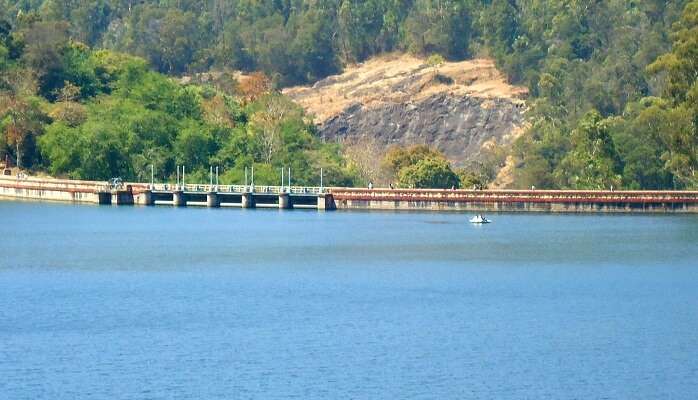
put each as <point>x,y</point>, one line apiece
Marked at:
<point>479,219</point>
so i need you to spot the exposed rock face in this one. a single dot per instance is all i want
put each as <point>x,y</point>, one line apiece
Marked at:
<point>459,108</point>
<point>458,126</point>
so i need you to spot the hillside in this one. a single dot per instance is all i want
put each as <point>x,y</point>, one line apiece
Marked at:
<point>612,91</point>
<point>71,111</point>
<point>457,107</point>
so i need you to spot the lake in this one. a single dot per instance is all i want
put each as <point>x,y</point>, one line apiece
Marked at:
<point>164,303</point>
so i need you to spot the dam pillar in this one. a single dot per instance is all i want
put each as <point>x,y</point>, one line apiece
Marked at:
<point>285,201</point>
<point>178,199</point>
<point>325,202</point>
<point>146,198</point>
<point>212,200</point>
<point>248,200</point>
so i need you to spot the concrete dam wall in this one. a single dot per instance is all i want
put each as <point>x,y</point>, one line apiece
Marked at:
<point>567,201</point>
<point>284,197</point>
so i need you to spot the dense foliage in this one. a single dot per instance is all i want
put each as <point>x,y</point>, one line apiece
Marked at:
<point>422,167</point>
<point>612,83</point>
<point>98,114</point>
<point>614,95</point>
<point>290,40</point>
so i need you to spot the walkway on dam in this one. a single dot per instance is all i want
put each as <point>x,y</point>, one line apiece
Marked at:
<point>245,196</point>
<point>329,198</point>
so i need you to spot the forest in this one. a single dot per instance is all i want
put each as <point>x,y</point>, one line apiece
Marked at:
<point>72,111</point>
<point>85,89</point>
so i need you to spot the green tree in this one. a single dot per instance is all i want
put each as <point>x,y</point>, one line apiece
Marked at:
<point>680,134</point>
<point>45,43</point>
<point>438,26</point>
<point>313,47</point>
<point>62,147</point>
<point>468,179</point>
<point>168,37</point>
<point>428,173</point>
<point>90,19</point>
<point>593,162</point>
<point>638,138</point>
<point>193,147</point>
<point>21,121</point>
<point>681,64</point>
<point>435,61</point>
<point>500,25</point>
<point>399,157</point>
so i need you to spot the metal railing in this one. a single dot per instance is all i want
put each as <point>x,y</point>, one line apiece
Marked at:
<point>259,189</point>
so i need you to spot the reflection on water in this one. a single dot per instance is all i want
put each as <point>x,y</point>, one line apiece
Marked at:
<point>160,303</point>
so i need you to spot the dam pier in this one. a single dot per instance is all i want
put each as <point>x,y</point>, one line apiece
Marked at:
<point>338,198</point>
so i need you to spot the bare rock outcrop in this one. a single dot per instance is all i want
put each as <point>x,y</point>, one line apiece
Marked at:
<point>460,108</point>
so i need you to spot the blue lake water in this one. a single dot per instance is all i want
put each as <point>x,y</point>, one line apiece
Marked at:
<point>164,303</point>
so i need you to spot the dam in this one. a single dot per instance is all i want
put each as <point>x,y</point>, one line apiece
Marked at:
<point>560,201</point>
<point>338,198</point>
<point>94,192</point>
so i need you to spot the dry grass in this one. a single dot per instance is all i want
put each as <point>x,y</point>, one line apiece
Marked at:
<point>401,78</point>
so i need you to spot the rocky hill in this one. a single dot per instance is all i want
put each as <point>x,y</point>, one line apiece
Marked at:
<point>459,108</point>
